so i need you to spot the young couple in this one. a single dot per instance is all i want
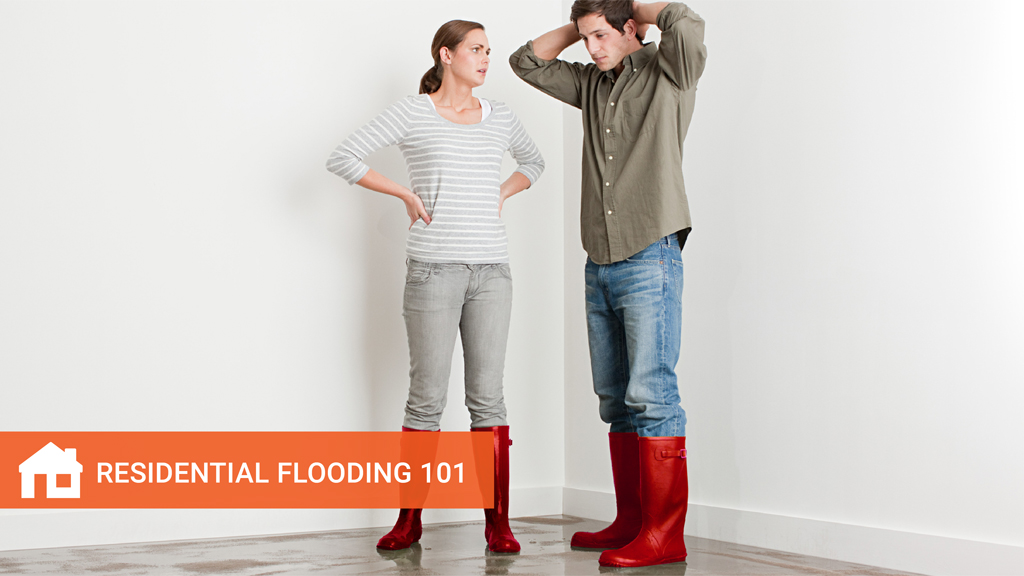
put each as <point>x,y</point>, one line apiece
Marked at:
<point>637,100</point>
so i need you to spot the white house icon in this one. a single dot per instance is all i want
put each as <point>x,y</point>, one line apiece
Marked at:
<point>52,461</point>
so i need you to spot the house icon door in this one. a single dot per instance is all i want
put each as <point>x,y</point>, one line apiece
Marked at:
<point>53,462</point>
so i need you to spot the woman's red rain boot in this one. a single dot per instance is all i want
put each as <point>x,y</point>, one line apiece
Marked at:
<point>496,530</point>
<point>664,491</point>
<point>625,453</point>
<point>408,528</point>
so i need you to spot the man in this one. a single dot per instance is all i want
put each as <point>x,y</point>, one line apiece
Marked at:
<point>637,100</point>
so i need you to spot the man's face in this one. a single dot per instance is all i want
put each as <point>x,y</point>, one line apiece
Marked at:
<point>607,46</point>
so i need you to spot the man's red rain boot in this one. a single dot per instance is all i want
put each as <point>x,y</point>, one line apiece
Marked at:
<point>625,451</point>
<point>496,530</point>
<point>408,528</point>
<point>664,491</point>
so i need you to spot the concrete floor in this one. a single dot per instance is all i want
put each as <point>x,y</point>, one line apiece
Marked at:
<point>444,549</point>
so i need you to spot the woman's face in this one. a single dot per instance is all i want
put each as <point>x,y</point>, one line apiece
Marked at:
<point>471,59</point>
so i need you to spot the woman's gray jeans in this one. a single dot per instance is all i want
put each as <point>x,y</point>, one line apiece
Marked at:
<point>440,301</point>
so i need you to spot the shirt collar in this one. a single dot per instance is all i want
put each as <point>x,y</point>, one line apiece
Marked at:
<point>636,60</point>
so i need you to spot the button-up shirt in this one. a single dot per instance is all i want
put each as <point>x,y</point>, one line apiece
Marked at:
<point>633,131</point>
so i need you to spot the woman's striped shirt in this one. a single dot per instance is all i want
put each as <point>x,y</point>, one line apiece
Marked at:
<point>455,170</point>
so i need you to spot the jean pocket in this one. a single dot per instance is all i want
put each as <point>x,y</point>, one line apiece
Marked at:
<point>674,253</point>
<point>417,275</point>
<point>505,270</point>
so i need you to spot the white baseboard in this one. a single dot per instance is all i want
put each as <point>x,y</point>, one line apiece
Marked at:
<point>893,549</point>
<point>29,529</point>
<point>542,501</point>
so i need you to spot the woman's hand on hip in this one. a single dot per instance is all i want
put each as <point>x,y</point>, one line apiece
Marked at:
<point>415,208</point>
<point>505,193</point>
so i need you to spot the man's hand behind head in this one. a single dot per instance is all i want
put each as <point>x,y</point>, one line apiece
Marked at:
<point>641,30</point>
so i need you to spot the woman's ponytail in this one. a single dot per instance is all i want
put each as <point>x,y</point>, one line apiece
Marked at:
<point>449,35</point>
<point>431,81</point>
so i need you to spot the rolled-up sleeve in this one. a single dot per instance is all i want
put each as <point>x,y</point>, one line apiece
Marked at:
<point>386,129</point>
<point>681,51</point>
<point>556,78</point>
<point>525,152</point>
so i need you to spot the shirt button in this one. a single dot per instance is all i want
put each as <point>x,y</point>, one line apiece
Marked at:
<point>613,103</point>
<point>608,130</point>
<point>609,212</point>
<point>634,69</point>
<point>610,157</point>
<point>607,183</point>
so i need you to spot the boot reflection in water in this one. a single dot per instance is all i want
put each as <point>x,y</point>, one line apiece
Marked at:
<point>404,558</point>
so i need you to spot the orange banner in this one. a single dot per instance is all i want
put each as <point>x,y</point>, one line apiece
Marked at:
<point>246,470</point>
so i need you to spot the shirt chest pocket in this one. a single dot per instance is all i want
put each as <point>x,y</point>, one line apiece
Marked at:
<point>634,119</point>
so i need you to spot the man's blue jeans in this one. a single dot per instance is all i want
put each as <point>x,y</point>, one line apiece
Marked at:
<point>634,323</point>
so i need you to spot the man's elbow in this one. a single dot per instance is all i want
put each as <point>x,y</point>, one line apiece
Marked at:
<point>517,68</point>
<point>524,62</point>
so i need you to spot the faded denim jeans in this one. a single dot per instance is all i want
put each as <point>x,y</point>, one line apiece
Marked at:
<point>440,301</point>
<point>634,325</point>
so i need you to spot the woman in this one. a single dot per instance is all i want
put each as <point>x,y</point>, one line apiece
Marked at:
<point>458,275</point>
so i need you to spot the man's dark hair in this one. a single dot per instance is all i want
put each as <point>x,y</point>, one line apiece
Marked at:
<point>616,12</point>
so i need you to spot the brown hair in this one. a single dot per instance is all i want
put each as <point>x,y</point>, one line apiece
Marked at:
<point>449,35</point>
<point>616,12</point>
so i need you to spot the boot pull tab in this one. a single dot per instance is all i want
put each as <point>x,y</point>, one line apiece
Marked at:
<point>509,441</point>
<point>667,454</point>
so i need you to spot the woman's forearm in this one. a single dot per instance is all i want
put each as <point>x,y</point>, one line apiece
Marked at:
<point>378,182</point>
<point>515,184</point>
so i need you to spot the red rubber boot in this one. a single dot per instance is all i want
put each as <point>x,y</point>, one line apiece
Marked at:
<point>496,530</point>
<point>625,451</point>
<point>664,491</point>
<point>408,528</point>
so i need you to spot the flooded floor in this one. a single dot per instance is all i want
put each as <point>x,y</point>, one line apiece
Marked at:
<point>457,548</point>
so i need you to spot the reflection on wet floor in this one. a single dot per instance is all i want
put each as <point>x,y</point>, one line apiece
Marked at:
<point>457,548</point>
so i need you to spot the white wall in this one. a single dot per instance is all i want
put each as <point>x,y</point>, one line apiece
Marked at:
<point>174,256</point>
<point>852,326</point>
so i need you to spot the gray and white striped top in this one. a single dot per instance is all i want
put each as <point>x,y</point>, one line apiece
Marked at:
<point>455,170</point>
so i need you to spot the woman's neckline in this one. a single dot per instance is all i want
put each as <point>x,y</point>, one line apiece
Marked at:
<point>433,108</point>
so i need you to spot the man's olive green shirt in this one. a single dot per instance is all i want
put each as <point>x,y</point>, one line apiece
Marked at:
<point>633,132</point>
